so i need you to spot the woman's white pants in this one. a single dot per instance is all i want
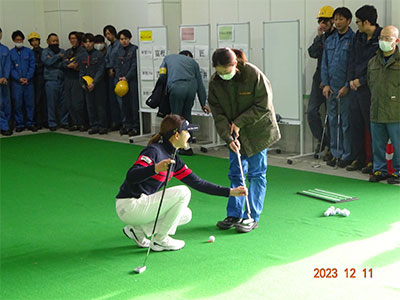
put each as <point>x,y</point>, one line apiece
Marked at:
<point>141,213</point>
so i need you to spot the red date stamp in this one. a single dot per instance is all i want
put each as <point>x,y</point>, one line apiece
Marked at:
<point>347,273</point>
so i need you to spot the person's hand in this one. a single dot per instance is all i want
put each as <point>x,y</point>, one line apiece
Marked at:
<point>235,145</point>
<point>343,92</point>
<point>239,191</point>
<point>111,73</point>
<point>3,81</point>
<point>123,78</point>
<point>73,66</point>
<point>327,91</point>
<point>320,30</point>
<point>206,109</point>
<point>23,81</point>
<point>235,130</point>
<point>90,87</point>
<point>163,165</point>
<point>61,55</point>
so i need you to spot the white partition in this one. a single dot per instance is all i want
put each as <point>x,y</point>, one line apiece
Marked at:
<point>234,35</point>
<point>282,66</point>
<point>152,50</point>
<point>196,39</point>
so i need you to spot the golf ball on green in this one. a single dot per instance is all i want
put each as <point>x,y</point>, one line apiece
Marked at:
<point>211,239</point>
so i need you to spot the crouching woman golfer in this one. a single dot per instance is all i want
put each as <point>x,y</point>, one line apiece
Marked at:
<point>139,196</point>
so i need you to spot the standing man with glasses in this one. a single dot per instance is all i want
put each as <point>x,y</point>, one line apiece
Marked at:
<point>364,47</point>
<point>325,29</point>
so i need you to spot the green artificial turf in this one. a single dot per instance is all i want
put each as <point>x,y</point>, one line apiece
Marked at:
<point>61,237</point>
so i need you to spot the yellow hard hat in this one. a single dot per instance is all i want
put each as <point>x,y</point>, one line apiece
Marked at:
<point>88,79</point>
<point>33,35</point>
<point>121,88</point>
<point>326,12</point>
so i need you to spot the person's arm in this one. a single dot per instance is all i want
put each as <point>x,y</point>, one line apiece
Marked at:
<point>222,123</point>
<point>324,68</point>
<point>262,97</point>
<point>7,67</point>
<point>14,72</point>
<point>201,91</point>
<point>100,72</point>
<point>317,47</point>
<point>187,176</point>
<point>142,169</point>
<point>132,73</point>
<point>32,65</point>
<point>50,61</point>
<point>352,57</point>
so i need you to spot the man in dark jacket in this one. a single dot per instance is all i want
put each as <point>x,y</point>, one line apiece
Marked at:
<point>126,69</point>
<point>73,94</point>
<point>325,28</point>
<point>91,72</point>
<point>364,47</point>
<point>40,116</point>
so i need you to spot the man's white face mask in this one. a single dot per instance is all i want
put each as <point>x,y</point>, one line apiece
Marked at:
<point>228,76</point>
<point>99,46</point>
<point>386,46</point>
<point>18,45</point>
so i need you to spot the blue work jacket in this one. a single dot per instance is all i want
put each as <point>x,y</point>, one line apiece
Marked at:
<point>335,60</point>
<point>22,63</point>
<point>5,62</point>
<point>53,69</point>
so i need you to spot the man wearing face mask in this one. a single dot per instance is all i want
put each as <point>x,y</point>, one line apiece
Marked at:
<point>240,98</point>
<point>5,103</point>
<point>325,29</point>
<point>183,82</point>
<point>100,44</point>
<point>365,44</point>
<point>384,82</point>
<point>22,90</point>
<point>52,57</point>
<point>73,94</point>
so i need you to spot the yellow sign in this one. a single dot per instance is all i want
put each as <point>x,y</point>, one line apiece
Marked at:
<point>146,36</point>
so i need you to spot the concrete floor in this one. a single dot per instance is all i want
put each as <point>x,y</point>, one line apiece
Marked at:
<point>274,159</point>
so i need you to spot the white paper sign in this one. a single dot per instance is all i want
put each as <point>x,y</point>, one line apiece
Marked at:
<point>147,73</point>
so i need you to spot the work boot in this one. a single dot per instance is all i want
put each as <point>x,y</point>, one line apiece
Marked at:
<point>228,223</point>
<point>377,176</point>
<point>342,163</point>
<point>137,235</point>
<point>331,162</point>
<point>246,226</point>
<point>328,155</point>
<point>367,169</point>
<point>355,165</point>
<point>167,243</point>
<point>394,179</point>
<point>93,131</point>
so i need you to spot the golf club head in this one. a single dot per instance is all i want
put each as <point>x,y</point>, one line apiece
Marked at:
<point>140,270</point>
<point>316,166</point>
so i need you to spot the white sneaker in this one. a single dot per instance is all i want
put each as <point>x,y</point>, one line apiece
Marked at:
<point>167,243</point>
<point>137,235</point>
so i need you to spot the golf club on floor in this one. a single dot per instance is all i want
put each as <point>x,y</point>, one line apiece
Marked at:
<point>250,219</point>
<point>141,269</point>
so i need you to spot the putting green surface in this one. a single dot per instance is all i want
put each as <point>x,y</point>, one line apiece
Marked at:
<point>61,237</point>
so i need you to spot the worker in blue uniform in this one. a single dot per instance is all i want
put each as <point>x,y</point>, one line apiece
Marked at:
<point>52,57</point>
<point>22,91</point>
<point>5,104</point>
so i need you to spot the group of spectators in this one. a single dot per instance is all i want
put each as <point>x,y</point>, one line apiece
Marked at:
<point>358,78</point>
<point>71,89</point>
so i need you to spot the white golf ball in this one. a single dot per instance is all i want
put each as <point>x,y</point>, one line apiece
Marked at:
<point>211,239</point>
<point>345,212</point>
<point>338,211</point>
